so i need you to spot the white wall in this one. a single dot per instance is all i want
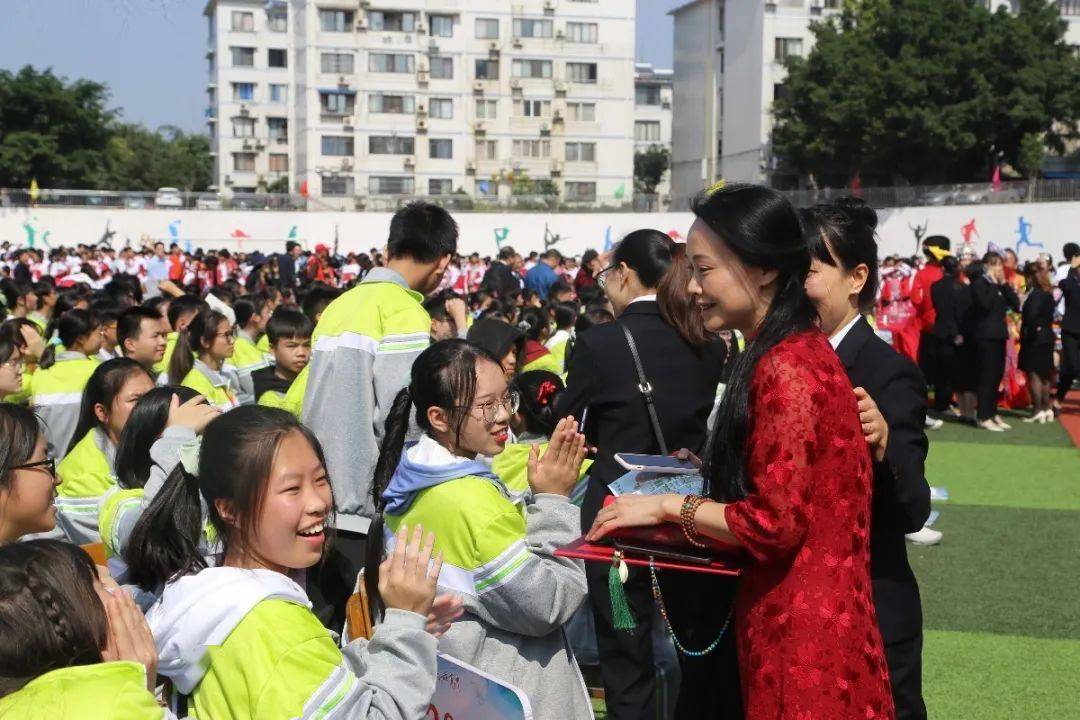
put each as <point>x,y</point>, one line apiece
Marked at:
<point>1051,224</point>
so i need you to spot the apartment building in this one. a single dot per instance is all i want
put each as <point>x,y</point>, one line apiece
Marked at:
<point>652,114</point>
<point>347,101</point>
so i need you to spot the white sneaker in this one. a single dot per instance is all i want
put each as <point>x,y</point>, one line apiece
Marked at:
<point>926,536</point>
<point>1047,417</point>
<point>933,423</point>
<point>1036,418</point>
<point>1001,423</point>
<point>991,426</point>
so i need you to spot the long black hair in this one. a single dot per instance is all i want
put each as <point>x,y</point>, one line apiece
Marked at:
<point>647,252</point>
<point>762,228</point>
<point>19,433</point>
<point>105,383</point>
<point>842,235</point>
<point>442,376</point>
<point>236,458</point>
<point>192,340</point>
<point>70,327</point>
<point>148,420</point>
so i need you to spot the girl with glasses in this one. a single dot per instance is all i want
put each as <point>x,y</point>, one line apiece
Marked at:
<point>201,350</point>
<point>498,549</point>
<point>27,478</point>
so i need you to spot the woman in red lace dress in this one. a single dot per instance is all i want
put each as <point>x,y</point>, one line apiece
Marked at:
<point>790,473</point>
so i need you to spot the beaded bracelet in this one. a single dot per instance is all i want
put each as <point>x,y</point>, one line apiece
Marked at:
<point>689,509</point>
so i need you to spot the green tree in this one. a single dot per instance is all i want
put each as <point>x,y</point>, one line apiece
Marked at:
<point>926,91</point>
<point>1032,156</point>
<point>649,168</point>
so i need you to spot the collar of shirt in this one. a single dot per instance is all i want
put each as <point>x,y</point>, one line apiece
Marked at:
<point>838,336</point>
<point>643,298</point>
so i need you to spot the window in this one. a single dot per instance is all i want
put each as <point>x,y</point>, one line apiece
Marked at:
<point>580,152</point>
<point>441,108</point>
<point>581,72</point>
<point>338,186</point>
<point>1070,7</point>
<point>524,28</point>
<point>786,47</point>
<point>395,104</point>
<point>391,63</point>
<point>391,21</point>
<point>487,28</point>
<point>532,148</point>
<point>487,69</point>
<point>531,69</point>
<point>243,21</point>
<point>278,129</point>
<point>390,185</point>
<point>779,91</point>
<point>441,149</point>
<point>243,56</point>
<point>279,93</point>
<point>581,191</point>
<point>243,127</point>
<point>337,103</point>
<point>337,63</point>
<point>277,20</point>
<point>277,58</point>
<point>243,162</point>
<point>279,162</point>
<point>581,32</point>
<point>532,108</point>
<point>442,68</point>
<point>581,112</point>
<point>335,20</point>
<point>646,94</point>
<point>243,92</point>
<point>487,149</point>
<point>337,146</point>
<point>391,145</point>
<point>440,186</point>
<point>486,109</point>
<point>647,131</point>
<point>441,25</point>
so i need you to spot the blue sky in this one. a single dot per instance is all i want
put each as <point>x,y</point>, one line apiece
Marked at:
<point>151,53</point>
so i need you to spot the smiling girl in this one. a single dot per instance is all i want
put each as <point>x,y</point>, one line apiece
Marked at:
<point>27,476</point>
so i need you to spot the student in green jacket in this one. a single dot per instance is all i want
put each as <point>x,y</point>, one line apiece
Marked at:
<point>239,638</point>
<point>27,476</point>
<point>86,471</point>
<point>201,350</point>
<point>499,547</point>
<point>290,344</point>
<point>252,315</point>
<point>73,649</point>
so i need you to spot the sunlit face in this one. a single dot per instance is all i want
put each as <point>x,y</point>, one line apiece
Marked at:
<point>27,504</point>
<point>91,342</point>
<point>115,417</point>
<point>509,364</point>
<point>442,329</point>
<point>730,294</point>
<point>484,430</point>
<point>224,342</point>
<point>11,374</point>
<point>292,354</point>
<point>108,334</point>
<point>834,292</point>
<point>289,533</point>
<point>149,347</point>
<point>262,318</point>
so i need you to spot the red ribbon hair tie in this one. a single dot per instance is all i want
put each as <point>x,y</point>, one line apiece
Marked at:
<point>545,391</point>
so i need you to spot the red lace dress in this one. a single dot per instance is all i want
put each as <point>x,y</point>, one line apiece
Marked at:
<point>808,641</point>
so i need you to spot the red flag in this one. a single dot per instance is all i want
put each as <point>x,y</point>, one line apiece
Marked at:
<point>995,182</point>
<point>303,189</point>
<point>856,185</point>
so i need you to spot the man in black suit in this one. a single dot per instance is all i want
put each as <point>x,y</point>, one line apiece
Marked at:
<point>1070,323</point>
<point>501,278</point>
<point>604,380</point>
<point>901,503</point>
<point>991,298</point>
<point>287,267</point>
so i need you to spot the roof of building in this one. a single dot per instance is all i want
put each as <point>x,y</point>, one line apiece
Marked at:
<point>686,6</point>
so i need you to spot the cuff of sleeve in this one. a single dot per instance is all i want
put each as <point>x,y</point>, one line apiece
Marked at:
<point>546,498</point>
<point>178,432</point>
<point>404,619</point>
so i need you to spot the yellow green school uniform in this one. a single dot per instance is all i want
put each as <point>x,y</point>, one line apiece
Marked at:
<point>86,475</point>
<point>557,345</point>
<point>212,385</point>
<point>512,467</point>
<point>246,358</point>
<point>170,346</point>
<point>546,362</point>
<point>85,692</point>
<point>56,395</point>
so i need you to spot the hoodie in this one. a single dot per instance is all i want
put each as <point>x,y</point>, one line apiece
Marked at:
<point>426,464</point>
<point>245,644</point>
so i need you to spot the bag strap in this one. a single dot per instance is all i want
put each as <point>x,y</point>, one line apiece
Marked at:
<point>646,390</point>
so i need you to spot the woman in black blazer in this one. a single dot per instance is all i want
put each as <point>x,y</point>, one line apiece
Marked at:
<point>683,366</point>
<point>1037,340</point>
<point>991,298</point>
<point>843,282</point>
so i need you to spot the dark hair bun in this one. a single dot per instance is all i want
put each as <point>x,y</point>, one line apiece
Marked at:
<point>858,211</point>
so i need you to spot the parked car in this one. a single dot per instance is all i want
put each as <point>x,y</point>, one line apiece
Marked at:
<point>208,201</point>
<point>168,197</point>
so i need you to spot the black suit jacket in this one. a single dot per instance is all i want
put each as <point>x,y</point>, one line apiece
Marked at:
<point>1037,325</point>
<point>947,318</point>
<point>286,272</point>
<point>1070,289</point>
<point>990,300</point>
<point>901,500</point>
<point>500,279</point>
<point>603,379</point>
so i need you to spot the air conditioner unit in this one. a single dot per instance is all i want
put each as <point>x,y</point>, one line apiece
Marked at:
<point>365,4</point>
<point>560,35</point>
<point>244,112</point>
<point>479,128</point>
<point>515,84</point>
<point>549,7</point>
<point>410,162</point>
<point>470,168</point>
<point>560,87</point>
<point>342,80</point>
<point>421,126</point>
<point>421,29</point>
<point>387,39</point>
<point>557,117</point>
<point>478,87</point>
<point>422,76</point>
<point>545,130</point>
<point>433,47</point>
<point>556,168</point>
<point>346,164</point>
<point>361,24</point>
<point>408,38</point>
<point>421,108</point>
<point>493,47</point>
<point>228,180</point>
<point>260,146</point>
<point>517,43</point>
<point>347,127</point>
<point>247,145</point>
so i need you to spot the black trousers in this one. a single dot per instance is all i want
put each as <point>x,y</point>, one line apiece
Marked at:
<point>930,357</point>
<point>331,582</point>
<point>989,368</point>
<point>942,367</point>
<point>905,675</point>
<point>1070,363</point>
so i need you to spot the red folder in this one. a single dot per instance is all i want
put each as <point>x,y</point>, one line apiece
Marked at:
<point>582,549</point>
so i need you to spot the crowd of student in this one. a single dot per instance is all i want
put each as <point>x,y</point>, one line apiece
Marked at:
<point>242,436</point>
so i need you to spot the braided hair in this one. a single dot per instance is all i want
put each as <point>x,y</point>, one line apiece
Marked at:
<point>50,614</point>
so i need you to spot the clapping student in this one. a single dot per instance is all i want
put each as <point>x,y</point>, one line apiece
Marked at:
<point>238,639</point>
<point>499,550</point>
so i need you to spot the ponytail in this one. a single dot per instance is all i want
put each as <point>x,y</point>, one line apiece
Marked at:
<point>165,541</point>
<point>190,341</point>
<point>397,427</point>
<point>183,358</point>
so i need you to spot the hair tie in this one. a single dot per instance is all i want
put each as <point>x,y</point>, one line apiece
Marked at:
<point>189,455</point>
<point>715,187</point>
<point>545,391</point>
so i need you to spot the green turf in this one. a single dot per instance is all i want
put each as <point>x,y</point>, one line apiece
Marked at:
<point>1027,434</point>
<point>978,676</point>
<point>1029,477</point>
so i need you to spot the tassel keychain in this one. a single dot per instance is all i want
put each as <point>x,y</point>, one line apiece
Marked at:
<point>621,617</point>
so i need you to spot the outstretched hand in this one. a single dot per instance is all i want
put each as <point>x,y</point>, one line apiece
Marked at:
<point>408,577</point>
<point>556,472</point>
